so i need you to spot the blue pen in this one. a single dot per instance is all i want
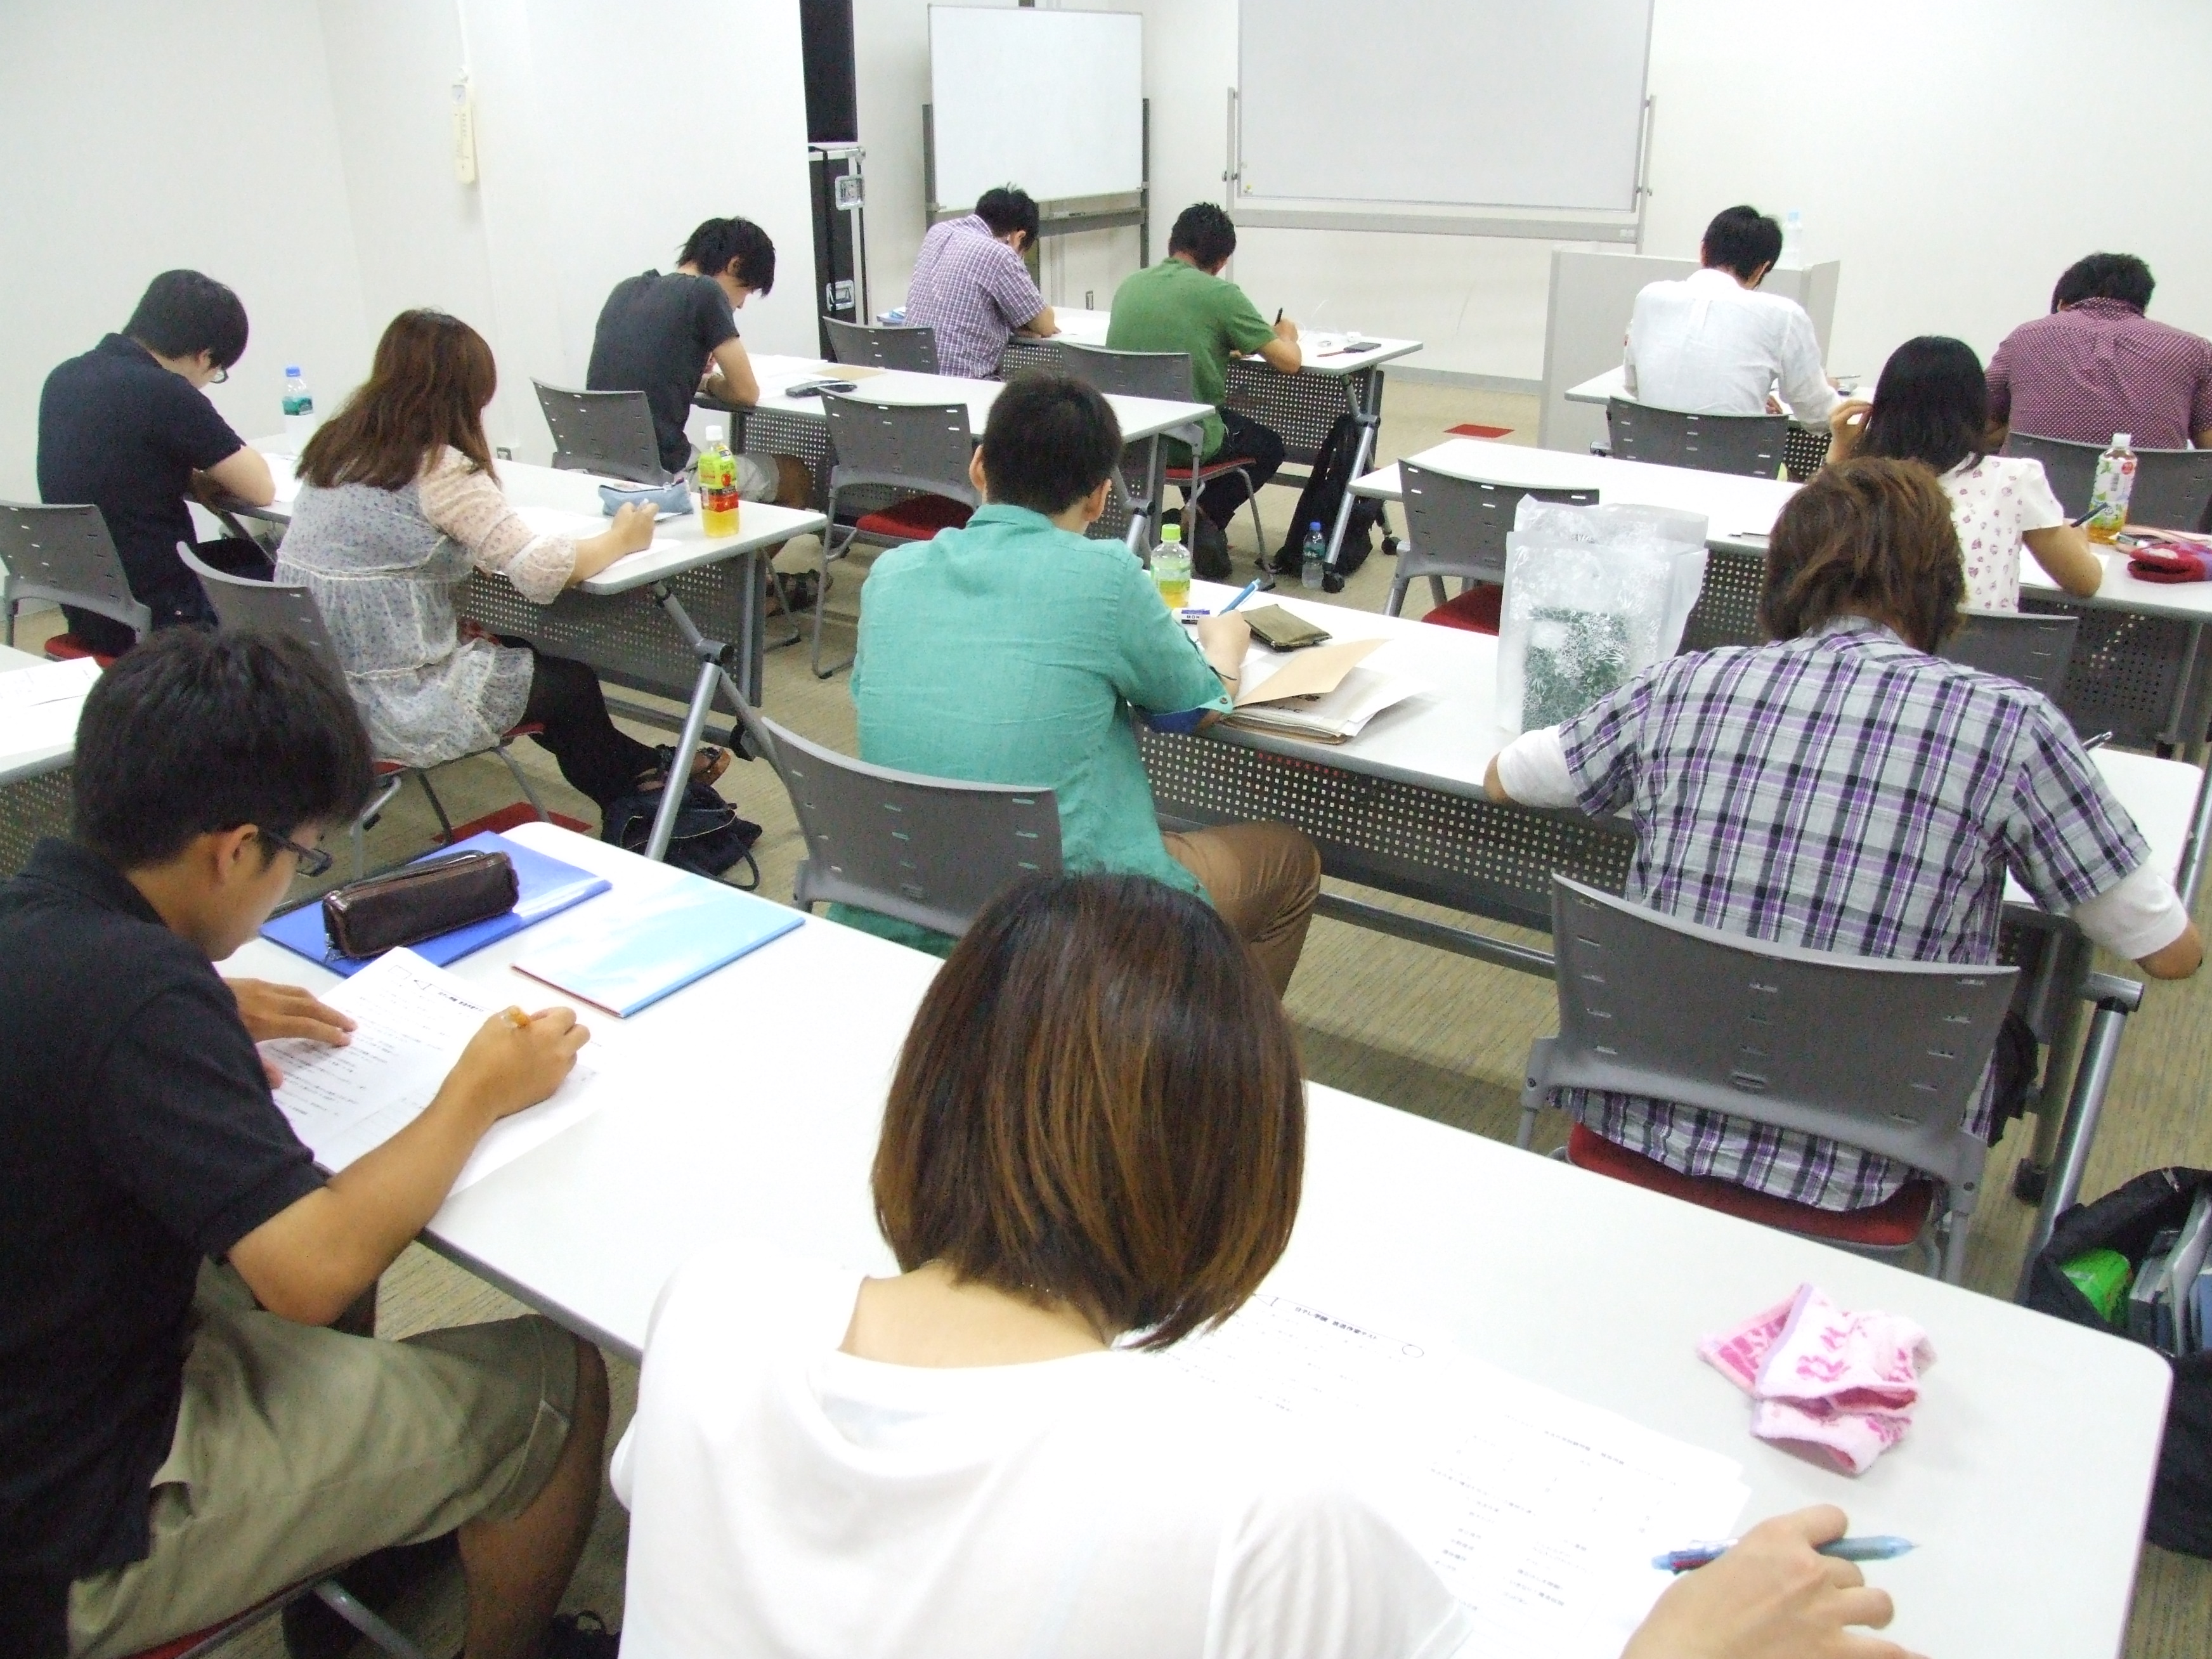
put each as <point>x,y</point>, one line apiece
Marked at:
<point>1878,1548</point>
<point>1250,588</point>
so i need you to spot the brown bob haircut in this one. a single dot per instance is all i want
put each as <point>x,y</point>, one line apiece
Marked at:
<point>1099,1103</point>
<point>1871,537</point>
<point>426,392</point>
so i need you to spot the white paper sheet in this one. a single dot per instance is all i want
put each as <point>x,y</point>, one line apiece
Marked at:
<point>1344,713</point>
<point>22,689</point>
<point>1542,1514</point>
<point>415,1019</point>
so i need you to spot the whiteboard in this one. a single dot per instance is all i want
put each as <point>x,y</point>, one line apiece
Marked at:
<point>1053,102</point>
<point>1475,103</point>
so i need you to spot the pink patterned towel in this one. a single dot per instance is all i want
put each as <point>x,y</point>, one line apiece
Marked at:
<point>1843,1382</point>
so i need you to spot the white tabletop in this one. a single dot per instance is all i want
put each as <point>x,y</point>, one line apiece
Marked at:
<point>567,503</point>
<point>1740,512</point>
<point>2190,602</point>
<point>37,738</point>
<point>1088,328</point>
<point>1614,383</point>
<point>757,1099</point>
<point>1140,417</point>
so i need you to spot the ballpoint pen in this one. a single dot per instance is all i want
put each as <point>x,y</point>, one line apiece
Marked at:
<point>1250,589</point>
<point>1878,1548</point>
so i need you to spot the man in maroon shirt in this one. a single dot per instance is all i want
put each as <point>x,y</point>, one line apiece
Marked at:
<point>2096,365</point>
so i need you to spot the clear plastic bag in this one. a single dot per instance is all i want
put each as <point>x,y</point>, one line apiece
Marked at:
<point>1593,596</point>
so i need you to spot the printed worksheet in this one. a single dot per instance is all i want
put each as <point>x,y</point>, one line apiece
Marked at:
<point>1542,1514</point>
<point>415,1019</point>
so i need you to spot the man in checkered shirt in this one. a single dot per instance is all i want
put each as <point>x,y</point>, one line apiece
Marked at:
<point>970,285</point>
<point>2096,365</point>
<point>1843,790</point>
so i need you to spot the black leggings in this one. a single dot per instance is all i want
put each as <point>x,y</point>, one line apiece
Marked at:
<point>597,759</point>
<point>1243,437</point>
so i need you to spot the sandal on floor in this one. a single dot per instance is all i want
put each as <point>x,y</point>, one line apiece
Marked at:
<point>706,766</point>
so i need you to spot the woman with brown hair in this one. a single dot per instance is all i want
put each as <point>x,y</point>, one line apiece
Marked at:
<point>399,501</point>
<point>1093,1148</point>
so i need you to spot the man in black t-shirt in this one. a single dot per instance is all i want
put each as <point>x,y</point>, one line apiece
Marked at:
<point>671,334</point>
<point>171,1453</point>
<point>128,428</point>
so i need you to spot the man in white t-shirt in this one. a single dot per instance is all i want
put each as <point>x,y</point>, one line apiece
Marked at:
<point>1714,344</point>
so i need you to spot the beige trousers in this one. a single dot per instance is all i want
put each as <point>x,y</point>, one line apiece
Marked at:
<point>1263,879</point>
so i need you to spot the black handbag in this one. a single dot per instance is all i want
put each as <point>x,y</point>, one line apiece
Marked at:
<point>419,901</point>
<point>709,836</point>
<point>2126,1220</point>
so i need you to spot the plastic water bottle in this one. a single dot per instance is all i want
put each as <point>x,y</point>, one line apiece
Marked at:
<point>1793,239</point>
<point>718,486</point>
<point>1171,567</point>
<point>1313,566</point>
<point>299,405</point>
<point>2108,495</point>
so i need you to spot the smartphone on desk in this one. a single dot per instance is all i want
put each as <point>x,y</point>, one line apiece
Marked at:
<point>816,388</point>
<point>1278,630</point>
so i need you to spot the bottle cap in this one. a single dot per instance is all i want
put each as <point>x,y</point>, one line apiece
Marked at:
<point>2122,439</point>
<point>291,369</point>
<point>713,431</point>
<point>1171,532</point>
<point>1316,525</point>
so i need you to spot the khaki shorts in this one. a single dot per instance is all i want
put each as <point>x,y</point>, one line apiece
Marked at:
<point>298,1450</point>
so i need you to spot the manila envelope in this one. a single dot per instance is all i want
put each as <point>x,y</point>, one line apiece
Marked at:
<point>1314,672</point>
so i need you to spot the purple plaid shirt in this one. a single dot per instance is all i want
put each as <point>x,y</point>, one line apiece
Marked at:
<point>974,291</point>
<point>1844,793</point>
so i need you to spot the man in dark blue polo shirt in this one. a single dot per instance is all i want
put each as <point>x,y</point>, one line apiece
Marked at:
<point>128,428</point>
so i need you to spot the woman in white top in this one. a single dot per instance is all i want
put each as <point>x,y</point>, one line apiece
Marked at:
<point>1093,1147</point>
<point>399,501</point>
<point>1932,405</point>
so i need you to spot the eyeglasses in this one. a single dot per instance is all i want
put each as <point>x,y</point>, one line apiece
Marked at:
<point>219,377</point>
<point>313,861</point>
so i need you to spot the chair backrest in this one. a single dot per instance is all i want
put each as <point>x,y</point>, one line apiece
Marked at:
<point>260,607</point>
<point>909,347</point>
<point>2033,649</point>
<point>928,851</point>
<point>1161,374</point>
<point>1747,445</point>
<point>1457,527</point>
<point>64,555</point>
<point>1884,1056</point>
<point>907,445</point>
<point>2173,487</point>
<point>610,432</point>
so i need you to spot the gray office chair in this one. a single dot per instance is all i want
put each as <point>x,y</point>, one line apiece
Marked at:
<point>2173,487</point>
<point>919,448</point>
<point>64,555</point>
<point>913,348</point>
<point>1457,527</point>
<point>1886,1056</point>
<point>1749,445</point>
<point>929,851</point>
<point>1164,376</point>
<point>281,608</point>
<point>609,433</point>
<point>2035,650</point>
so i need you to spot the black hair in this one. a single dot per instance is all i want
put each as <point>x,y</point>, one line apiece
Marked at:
<point>1204,232</point>
<point>719,244</point>
<point>2119,276</point>
<point>1931,405</point>
<point>1006,209</point>
<point>183,314</point>
<point>1741,240</point>
<point>1050,441</point>
<point>197,730</point>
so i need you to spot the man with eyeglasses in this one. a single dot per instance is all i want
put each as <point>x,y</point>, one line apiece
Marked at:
<point>181,1436</point>
<point>128,428</point>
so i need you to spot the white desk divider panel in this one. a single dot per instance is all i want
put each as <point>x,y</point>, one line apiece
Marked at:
<point>1053,102</point>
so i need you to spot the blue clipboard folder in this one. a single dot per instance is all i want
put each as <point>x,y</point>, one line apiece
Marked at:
<point>548,887</point>
<point>644,946</point>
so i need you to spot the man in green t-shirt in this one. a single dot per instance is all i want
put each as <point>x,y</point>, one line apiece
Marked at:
<point>1184,304</point>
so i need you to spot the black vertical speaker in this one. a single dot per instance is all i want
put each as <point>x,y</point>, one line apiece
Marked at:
<point>833,103</point>
<point>833,120</point>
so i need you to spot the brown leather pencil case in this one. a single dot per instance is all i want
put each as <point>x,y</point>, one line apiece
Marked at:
<point>418,901</point>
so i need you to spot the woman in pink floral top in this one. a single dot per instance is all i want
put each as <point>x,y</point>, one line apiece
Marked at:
<point>1932,406</point>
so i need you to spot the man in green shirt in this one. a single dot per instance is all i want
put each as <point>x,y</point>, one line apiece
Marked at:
<point>1017,650</point>
<point>1184,304</point>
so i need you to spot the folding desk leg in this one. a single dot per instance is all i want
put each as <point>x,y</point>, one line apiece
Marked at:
<point>1367,411</point>
<point>714,672</point>
<point>1140,512</point>
<point>2115,999</point>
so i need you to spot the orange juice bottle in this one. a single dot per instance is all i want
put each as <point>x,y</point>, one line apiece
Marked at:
<point>718,486</point>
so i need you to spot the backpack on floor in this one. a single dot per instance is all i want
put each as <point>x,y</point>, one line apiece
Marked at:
<point>1319,501</point>
<point>709,836</point>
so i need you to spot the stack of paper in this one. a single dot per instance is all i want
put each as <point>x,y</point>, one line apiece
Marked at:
<point>38,706</point>
<point>1540,1513</point>
<point>1321,693</point>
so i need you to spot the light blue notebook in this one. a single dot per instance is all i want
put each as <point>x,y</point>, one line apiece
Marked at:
<point>637,953</point>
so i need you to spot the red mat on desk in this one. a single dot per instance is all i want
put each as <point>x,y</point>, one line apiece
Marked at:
<point>509,817</point>
<point>1469,429</point>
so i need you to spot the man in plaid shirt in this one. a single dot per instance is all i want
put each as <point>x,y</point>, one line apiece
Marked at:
<point>970,285</point>
<point>1843,790</point>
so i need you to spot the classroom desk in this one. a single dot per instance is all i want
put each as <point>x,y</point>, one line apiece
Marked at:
<point>1602,389</point>
<point>1143,420</point>
<point>1296,406</point>
<point>607,621</point>
<point>767,1129</point>
<point>2140,667</point>
<point>35,793</point>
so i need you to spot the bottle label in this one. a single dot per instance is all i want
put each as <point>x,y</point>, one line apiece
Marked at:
<point>718,470</point>
<point>302,404</point>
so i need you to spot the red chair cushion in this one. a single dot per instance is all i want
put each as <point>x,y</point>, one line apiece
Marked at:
<point>1211,469</point>
<point>916,518</point>
<point>182,1645</point>
<point>1891,1225</point>
<point>67,647</point>
<point>1475,612</point>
